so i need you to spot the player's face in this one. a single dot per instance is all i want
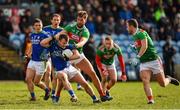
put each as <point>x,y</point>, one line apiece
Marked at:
<point>81,21</point>
<point>108,44</point>
<point>37,26</point>
<point>56,21</point>
<point>63,43</point>
<point>129,28</point>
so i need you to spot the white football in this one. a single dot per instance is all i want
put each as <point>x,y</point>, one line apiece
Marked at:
<point>67,52</point>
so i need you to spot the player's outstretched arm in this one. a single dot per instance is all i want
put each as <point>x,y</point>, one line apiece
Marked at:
<point>45,42</point>
<point>143,48</point>
<point>75,55</point>
<point>58,34</point>
<point>122,64</point>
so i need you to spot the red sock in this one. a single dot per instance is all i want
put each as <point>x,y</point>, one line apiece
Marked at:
<point>150,97</point>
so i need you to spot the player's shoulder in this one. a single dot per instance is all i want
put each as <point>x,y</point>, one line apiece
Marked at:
<point>116,46</point>
<point>47,27</point>
<point>72,24</point>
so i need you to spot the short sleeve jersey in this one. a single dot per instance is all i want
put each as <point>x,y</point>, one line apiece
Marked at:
<point>76,34</point>
<point>107,56</point>
<point>39,53</point>
<point>150,53</point>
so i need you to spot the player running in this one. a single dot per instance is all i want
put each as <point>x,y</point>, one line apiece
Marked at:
<point>52,30</point>
<point>106,65</point>
<point>150,62</point>
<point>37,65</point>
<point>63,66</point>
<point>79,35</point>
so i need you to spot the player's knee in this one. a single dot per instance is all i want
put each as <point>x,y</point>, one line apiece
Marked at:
<point>162,84</point>
<point>113,81</point>
<point>36,83</point>
<point>28,80</point>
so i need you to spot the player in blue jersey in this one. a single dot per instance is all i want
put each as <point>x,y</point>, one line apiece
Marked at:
<point>52,30</point>
<point>37,65</point>
<point>63,69</point>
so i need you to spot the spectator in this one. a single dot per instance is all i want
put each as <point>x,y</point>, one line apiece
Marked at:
<point>98,25</point>
<point>168,53</point>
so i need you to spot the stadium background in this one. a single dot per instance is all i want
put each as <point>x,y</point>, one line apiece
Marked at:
<point>160,18</point>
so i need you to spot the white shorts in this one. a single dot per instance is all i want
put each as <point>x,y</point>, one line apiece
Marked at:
<point>155,66</point>
<point>38,66</point>
<point>70,71</point>
<point>82,56</point>
<point>107,67</point>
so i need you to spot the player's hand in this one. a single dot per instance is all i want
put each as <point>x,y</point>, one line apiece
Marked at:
<point>103,71</point>
<point>123,77</point>
<point>134,61</point>
<point>26,58</point>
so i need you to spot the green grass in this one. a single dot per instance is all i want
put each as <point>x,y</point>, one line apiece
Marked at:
<point>129,95</point>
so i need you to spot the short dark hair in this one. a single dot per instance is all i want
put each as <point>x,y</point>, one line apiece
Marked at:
<point>133,22</point>
<point>55,15</point>
<point>37,20</point>
<point>63,36</point>
<point>82,14</point>
<point>108,38</point>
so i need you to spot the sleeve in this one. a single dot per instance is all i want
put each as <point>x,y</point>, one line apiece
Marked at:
<point>68,28</point>
<point>122,64</point>
<point>98,59</point>
<point>120,57</point>
<point>86,34</point>
<point>142,35</point>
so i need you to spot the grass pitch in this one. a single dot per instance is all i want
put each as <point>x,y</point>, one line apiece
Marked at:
<point>127,95</point>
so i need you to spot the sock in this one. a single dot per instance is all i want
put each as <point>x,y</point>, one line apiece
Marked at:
<point>71,92</point>
<point>46,90</point>
<point>93,97</point>
<point>107,93</point>
<point>32,94</point>
<point>150,97</point>
<point>53,91</point>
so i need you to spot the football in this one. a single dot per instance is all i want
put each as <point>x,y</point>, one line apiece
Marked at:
<point>67,52</point>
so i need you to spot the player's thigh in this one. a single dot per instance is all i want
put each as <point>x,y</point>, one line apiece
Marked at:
<point>30,73</point>
<point>112,74</point>
<point>79,79</point>
<point>48,69</point>
<point>85,66</point>
<point>145,75</point>
<point>37,78</point>
<point>160,78</point>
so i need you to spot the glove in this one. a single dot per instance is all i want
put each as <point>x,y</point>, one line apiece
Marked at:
<point>66,58</point>
<point>26,58</point>
<point>133,47</point>
<point>123,77</point>
<point>134,61</point>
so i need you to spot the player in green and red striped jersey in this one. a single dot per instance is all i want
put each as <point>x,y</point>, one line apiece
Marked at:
<point>79,35</point>
<point>106,64</point>
<point>150,62</point>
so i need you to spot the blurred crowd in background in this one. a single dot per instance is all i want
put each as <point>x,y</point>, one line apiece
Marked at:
<point>160,18</point>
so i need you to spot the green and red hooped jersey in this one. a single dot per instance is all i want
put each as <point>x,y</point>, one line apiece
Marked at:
<point>107,56</point>
<point>150,53</point>
<point>76,34</point>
